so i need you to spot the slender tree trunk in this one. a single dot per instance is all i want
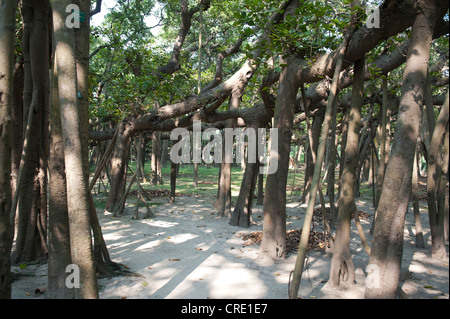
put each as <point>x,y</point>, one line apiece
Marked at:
<point>342,268</point>
<point>299,263</point>
<point>383,124</point>
<point>156,159</point>
<point>387,244</point>
<point>173,180</point>
<point>241,215</point>
<point>7,27</point>
<point>312,149</point>
<point>260,199</point>
<point>444,181</point>
<point>436,216</point>
<point>420,242</point>
<point>77,184</point>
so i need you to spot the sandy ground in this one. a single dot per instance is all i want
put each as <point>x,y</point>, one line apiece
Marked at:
<point>187,252</point>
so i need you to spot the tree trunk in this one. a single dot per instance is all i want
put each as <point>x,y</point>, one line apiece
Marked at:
<point>342,268</point>
<point>32,212</point>
<point>58,219</point>
<point>173,180</point>
<point>273,245</point>
<point>381,167</point>
<point>7,27</point>
<point>420,242</point>
<point>387,244</point>
<point>436,216</point>
<point>312,149</point>
<point>241,215</point>
<point>156,159</point>
<point>260,199</point>
<point>315,183</point>
<point>119,162</point>
<point>77,185</point>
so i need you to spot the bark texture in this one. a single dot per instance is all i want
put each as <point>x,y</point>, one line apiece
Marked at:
<point>7,23</point>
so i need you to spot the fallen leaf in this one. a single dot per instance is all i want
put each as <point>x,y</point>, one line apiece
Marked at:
<point>28,294</point>
<point>123,297</point>
<point>428,287</point>
<point>175,259</point>
<point>277,274</point>
<point>198,248</point>
<point>169,237</point>
<point>145,284</point>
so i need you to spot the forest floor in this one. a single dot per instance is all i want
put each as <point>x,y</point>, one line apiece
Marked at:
<point>188,252</point>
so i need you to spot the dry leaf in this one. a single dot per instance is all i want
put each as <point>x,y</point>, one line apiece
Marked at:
<point>198,248</point>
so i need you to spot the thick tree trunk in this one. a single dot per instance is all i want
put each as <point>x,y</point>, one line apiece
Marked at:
<point>77,184</point>
<point>342,268</point>
<point>273,245</point>
<point>119,162</point>
<point>7,27</point>
<point>31,236</point>
<point>58,219</point>
<point>387,244</point>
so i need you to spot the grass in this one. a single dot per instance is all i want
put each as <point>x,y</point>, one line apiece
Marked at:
<point>208,180</point>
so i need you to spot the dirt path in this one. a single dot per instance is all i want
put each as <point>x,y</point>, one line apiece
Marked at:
<point>188,252</point>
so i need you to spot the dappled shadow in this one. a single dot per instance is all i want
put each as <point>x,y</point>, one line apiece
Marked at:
<point>186,251</point>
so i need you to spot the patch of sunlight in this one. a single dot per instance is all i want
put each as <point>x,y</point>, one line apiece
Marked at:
<point>217,277</point>
<point>149,245</point>
<point>159,223</point>
<point>181,238</point>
